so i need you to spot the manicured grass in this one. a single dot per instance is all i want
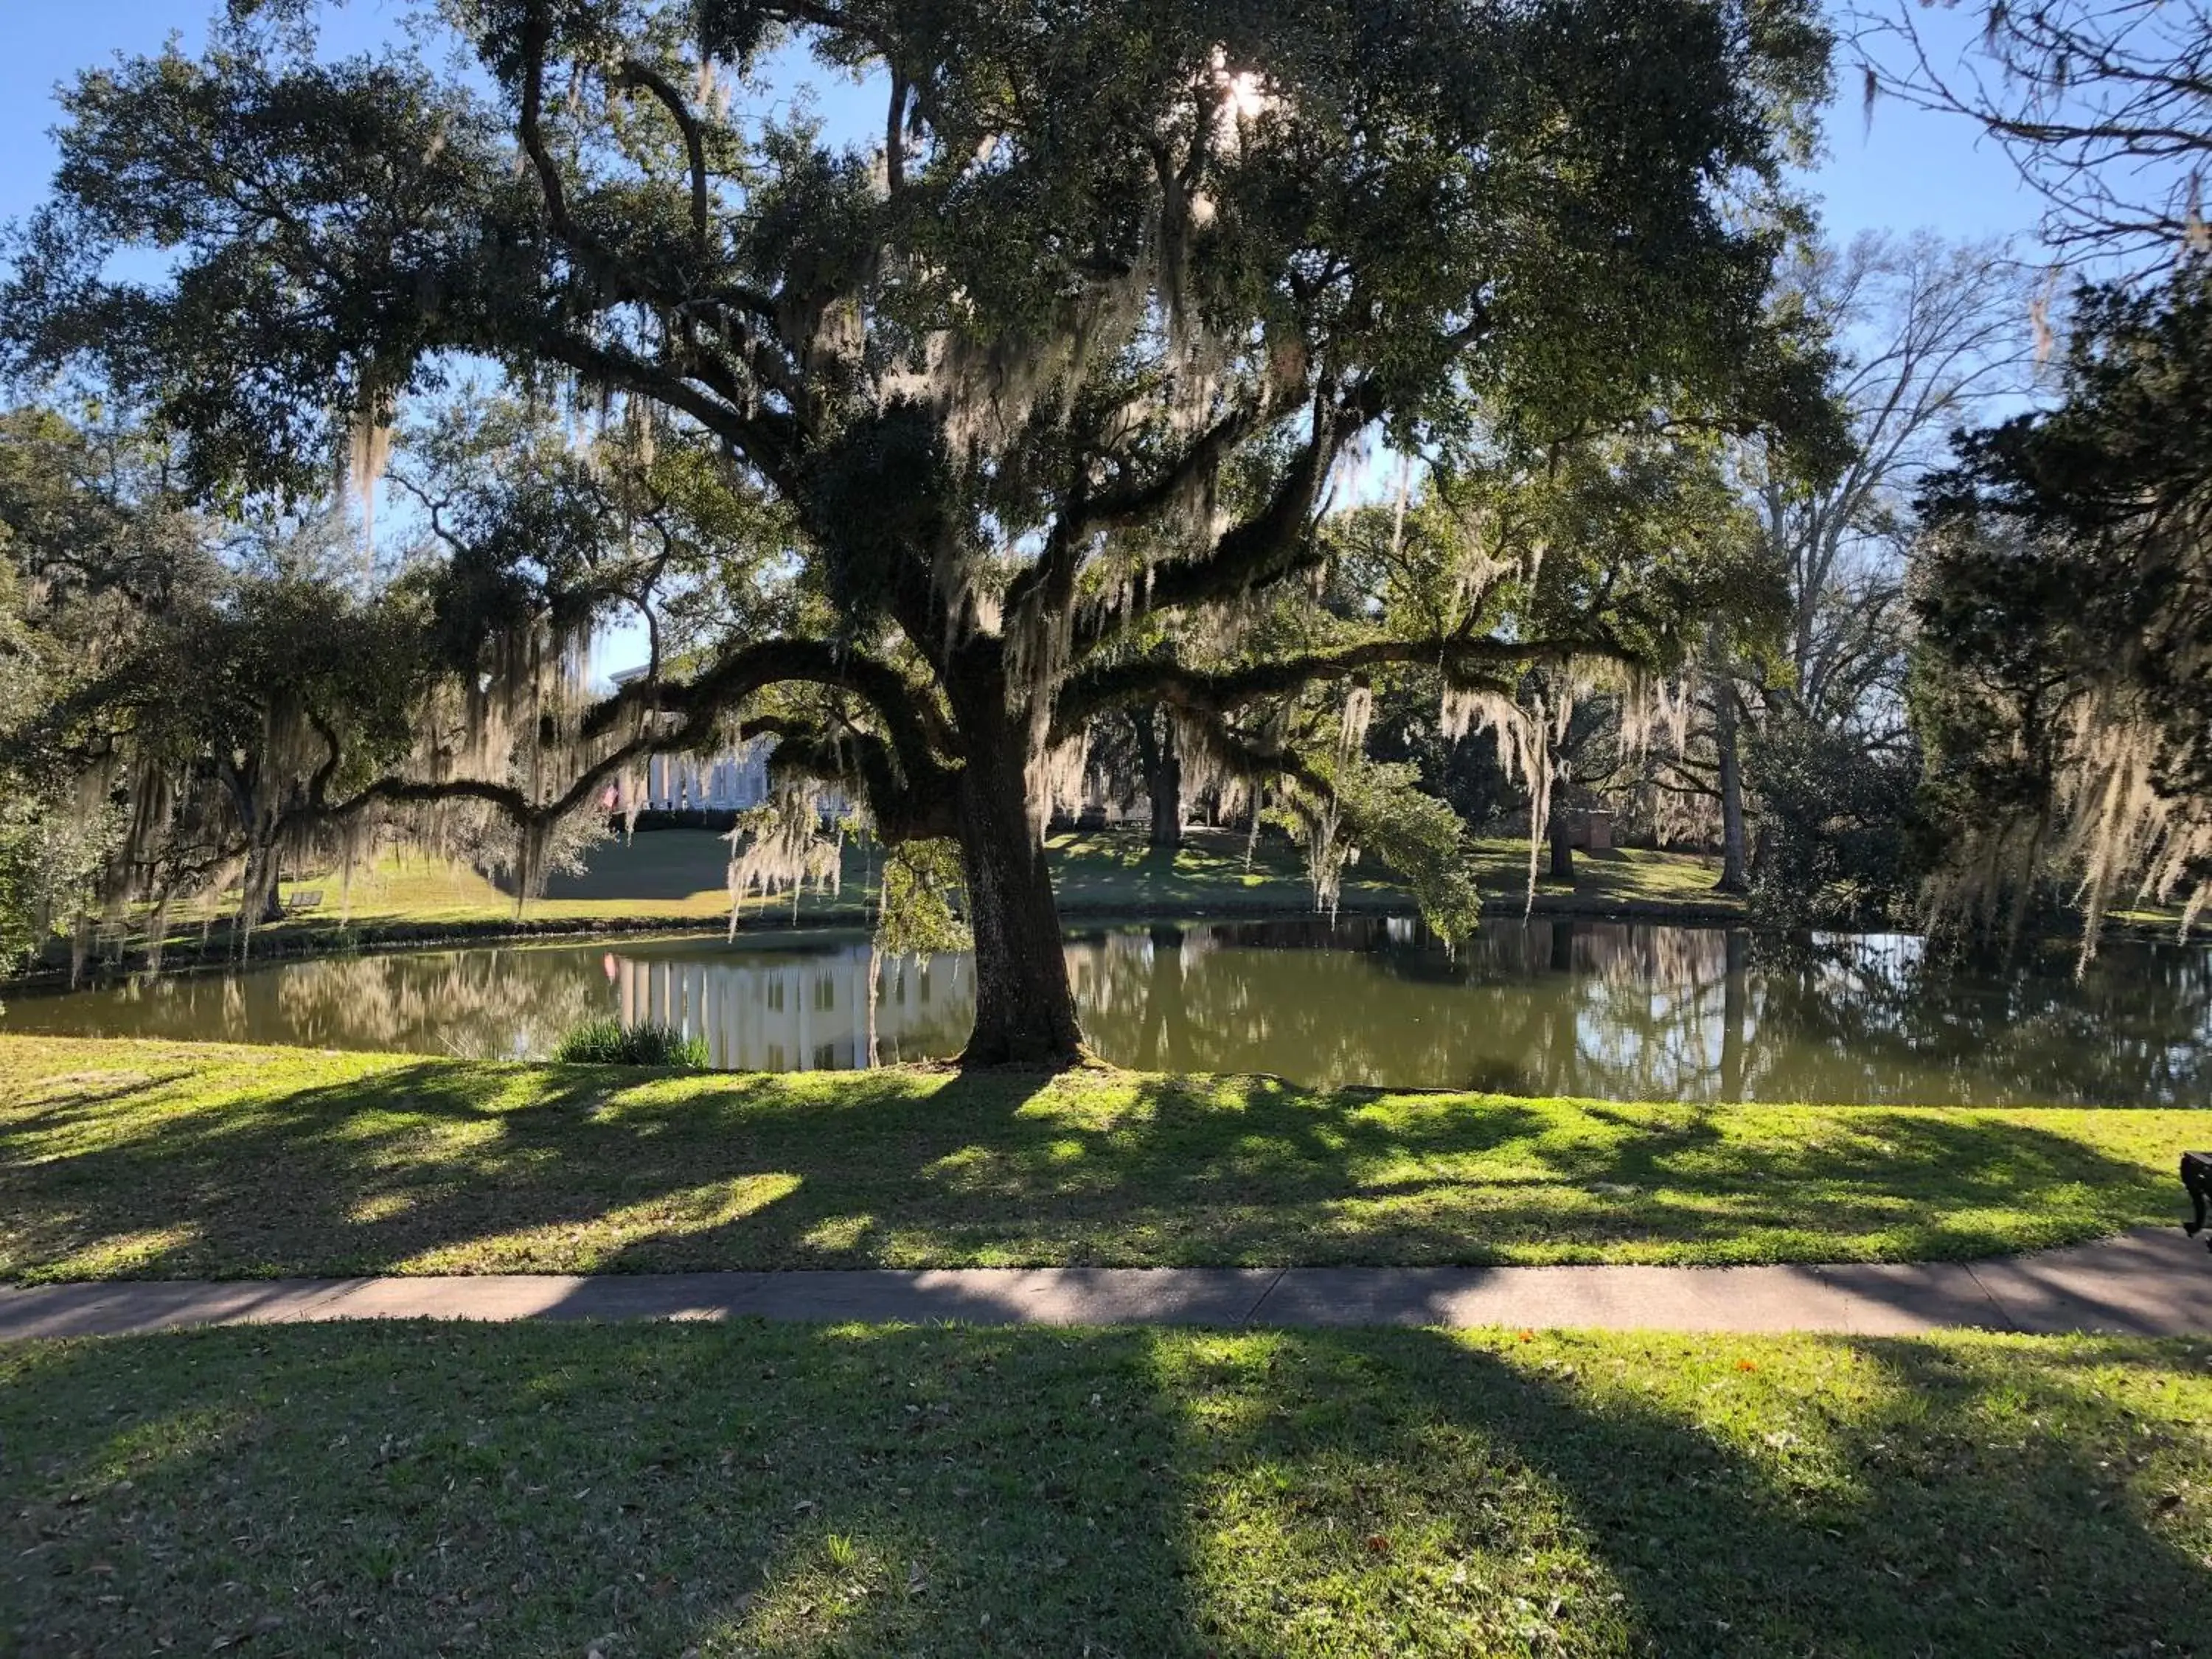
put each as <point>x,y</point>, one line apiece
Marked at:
<point>1105,870</point>
<point>678,876</point>
<point>1118,872</point>
<point>155,1159</point>
<point>670,875</point>
<point>625,1490</point>
<point>675,877</point>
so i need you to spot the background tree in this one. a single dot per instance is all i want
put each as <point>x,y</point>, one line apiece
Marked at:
<point>94,540</point>
<point>2064,683</point>
<point>1078,343</point>
<point>1809,720</point>
<point>53,849</point>
<point>1603,558</point>
<point>1160,764</point>
<point>1130,757</point>
<point>2059,737</point>
<point>1667,559</point>
<point>192,688</point>
<point>227,692</point>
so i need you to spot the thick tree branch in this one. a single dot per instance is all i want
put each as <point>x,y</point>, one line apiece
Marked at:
<point>318,784</point>
<point>759,435</point>
<point>912,720</point>
<point>1051,580</point>
<point>1254,760</point>
<point>903,808</point>
<point>894,138</point>
<point>535,32</point>
<point>1263,547</point>
<point>766,440</point>
<point>1140,503</point>
<point>1154,679</point>
<point>906,784</point>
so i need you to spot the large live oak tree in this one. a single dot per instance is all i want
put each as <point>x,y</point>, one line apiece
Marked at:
<point>1080,342</point>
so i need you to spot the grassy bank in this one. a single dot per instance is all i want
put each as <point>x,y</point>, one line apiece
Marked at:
<point>1114,872</point>
<point>180,1160</point>
<point>679,874</point>
<point>660,1489</point>
<point>675,878</point>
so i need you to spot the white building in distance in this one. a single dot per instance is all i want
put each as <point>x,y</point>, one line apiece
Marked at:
<point>729,782</point>
<point>708,783</point>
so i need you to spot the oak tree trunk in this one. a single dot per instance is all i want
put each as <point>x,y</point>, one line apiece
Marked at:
<point>260,899</point>
<point>1725,739</point>
<point>1024,1002</point>
<point>1563,849</point>
<point>1163,770</point>
<point>1165,782</point>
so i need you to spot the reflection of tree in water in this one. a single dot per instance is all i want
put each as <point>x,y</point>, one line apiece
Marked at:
<point>1648,1013</point>
<point>1537,1008</point>
<point>1133,985</point>
<point>476,1003</point>
<point>2131,1029</point>
<point>1318,1003</point>
<point>484,1005</point>
<point>792,1009</point>
<point>1545,1008</point>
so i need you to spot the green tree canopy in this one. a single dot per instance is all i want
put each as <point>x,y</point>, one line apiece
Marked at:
<point>2064,594</point>
<point>189,689</point>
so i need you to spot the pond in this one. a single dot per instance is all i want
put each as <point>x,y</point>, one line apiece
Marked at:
<point>1612,1009</point>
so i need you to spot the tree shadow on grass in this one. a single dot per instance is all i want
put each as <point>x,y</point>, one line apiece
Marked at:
<point>542,1489</point>
<point>1859,1496</point>
<point>797,1490</point>
<point>430,1166</point>
<point>63,1101</point>
<point>1932,1180</point>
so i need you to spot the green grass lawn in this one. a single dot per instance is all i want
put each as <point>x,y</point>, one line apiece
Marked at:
<point>657,1490</point>
<point>668,875</point>
<point>158,1160</point>
<point>1114,871</point>
<point>677,877</point>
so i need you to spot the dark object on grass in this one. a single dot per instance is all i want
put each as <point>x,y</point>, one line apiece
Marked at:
<point>2197,1178</point>
<point>610,1042</point>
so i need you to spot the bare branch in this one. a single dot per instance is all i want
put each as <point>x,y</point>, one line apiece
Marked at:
<point>2100,107</point>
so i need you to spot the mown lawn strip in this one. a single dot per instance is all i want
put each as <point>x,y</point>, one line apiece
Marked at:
<point>726,1490</point>
<point>151,1159</point>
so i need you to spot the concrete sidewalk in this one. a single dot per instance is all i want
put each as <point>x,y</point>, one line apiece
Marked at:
<point>2152,1282</point>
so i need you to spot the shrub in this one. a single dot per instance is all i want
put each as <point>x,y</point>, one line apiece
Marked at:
<point>610,1042</point>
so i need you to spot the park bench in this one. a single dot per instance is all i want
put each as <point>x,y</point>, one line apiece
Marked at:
<point>310,900</point>
<point>2197,1180</point>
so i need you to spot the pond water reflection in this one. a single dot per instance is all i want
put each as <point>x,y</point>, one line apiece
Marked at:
<point>1624,1011</point>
